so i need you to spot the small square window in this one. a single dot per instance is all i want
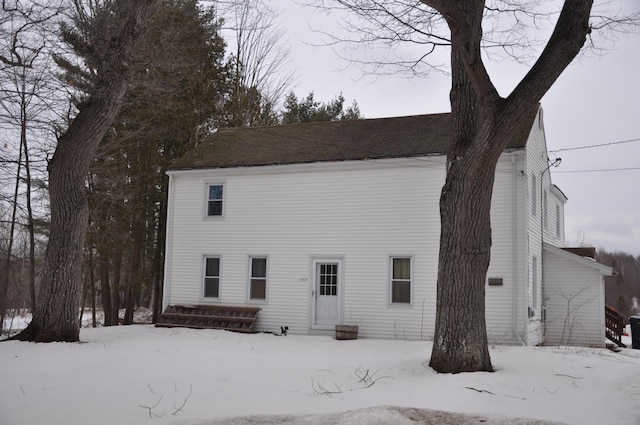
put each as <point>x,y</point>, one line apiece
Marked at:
<point>258,280</point>
<point>400,280</point>
<point>212,277</point>
<point>214,200</point>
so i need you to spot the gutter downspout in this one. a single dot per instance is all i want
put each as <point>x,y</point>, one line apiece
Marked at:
<point>525,257</point>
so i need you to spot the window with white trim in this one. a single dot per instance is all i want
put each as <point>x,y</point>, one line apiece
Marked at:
<point>545,213</point>
<point>534,279</point>
<point>214,200</point>
<point>258,278</point>
<point>558,218</point>
<point>211,277</point>
<point>401,281</point>
<point>534,198</point>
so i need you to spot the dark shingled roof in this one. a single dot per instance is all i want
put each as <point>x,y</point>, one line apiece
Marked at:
<point>379,138</point>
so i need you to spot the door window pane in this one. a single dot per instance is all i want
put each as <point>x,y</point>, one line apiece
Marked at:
<point>328,279</point>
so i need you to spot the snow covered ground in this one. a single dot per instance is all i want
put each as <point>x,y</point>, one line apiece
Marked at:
<point>158,376</point>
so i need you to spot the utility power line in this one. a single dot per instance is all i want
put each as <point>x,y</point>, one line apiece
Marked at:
<point>595,146</point>
<point>598,171</point>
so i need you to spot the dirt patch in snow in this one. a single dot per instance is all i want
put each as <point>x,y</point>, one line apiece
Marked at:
<point>388,415</point>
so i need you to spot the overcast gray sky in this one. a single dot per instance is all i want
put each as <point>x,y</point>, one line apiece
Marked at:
<point>596,101</point>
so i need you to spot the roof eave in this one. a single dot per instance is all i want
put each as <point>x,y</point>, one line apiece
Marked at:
<point>604,270</point>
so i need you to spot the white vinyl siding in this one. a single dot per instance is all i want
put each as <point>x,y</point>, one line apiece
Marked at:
<point>508,210</point>
<point>334,211</point>
<point>330,211</point>
<point>536,167</point>
<point>553,233</point>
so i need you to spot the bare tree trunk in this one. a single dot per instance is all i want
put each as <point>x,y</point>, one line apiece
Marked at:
<point>158,256</point>
<point>92,281</point>
<point>30,226</point>
<point>483,124</point>
<point>55,317</point>
<point>130,284</point>
<point>115,287</point>
<point>4,284</point>
<point>107,305</point>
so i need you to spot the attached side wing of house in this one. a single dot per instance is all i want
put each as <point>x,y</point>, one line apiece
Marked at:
<point>575,292</point>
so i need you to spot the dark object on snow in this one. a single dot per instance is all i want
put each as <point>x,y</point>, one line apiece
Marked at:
<point>635,332</point>
<point>284,330</point>
<point>346,332</point>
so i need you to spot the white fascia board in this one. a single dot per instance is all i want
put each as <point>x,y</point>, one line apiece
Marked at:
<point>431,161</point>
<point>558,193</point>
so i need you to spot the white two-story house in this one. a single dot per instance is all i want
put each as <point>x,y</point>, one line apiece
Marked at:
<point>331,223</point>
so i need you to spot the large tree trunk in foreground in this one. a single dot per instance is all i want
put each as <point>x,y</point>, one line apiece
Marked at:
<point>483,124</point>
<point>56,315</point>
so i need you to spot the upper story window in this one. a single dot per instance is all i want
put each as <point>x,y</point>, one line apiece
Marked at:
<point>214,200</point>
<point>400,280</point>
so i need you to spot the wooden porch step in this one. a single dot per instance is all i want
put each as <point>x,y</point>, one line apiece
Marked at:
<point>231,318</point>
<point>171,325</point>
<point>205,317</point>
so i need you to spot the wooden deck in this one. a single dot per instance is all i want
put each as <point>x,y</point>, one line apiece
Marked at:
<point>614,324</point>
<point>229,318</point>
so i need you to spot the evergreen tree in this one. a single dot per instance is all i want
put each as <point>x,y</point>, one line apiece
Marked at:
<point>180,85</point>
<point>310,110</point>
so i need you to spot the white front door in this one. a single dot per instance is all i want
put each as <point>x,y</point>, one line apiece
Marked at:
<point>326,294</point>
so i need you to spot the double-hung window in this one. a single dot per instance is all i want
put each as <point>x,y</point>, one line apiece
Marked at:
<point>545,213</point>
<point>211,277</point>
<point>534,281</point>
<point>258,278</point>
<point>534,198</point>
<point>401,280</point>
<point>214,200</point>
